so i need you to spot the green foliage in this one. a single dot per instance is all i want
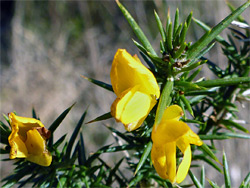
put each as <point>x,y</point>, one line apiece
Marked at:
<point>211,104</point>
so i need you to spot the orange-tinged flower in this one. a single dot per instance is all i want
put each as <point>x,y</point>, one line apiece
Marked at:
<point>166,136</point>
<point>28,140</point>
<point>136,89</point>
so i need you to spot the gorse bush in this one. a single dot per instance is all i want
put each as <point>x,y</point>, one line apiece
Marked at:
<point>156,105</point>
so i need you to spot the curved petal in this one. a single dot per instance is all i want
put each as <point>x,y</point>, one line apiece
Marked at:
<point>185,163</point>
<point>36,146</point>
<point>128,71</point>
<point>132,107</point>
<point>172,112</point>
<point>24,124</point>
<point>43,159</point>
<point>169,131</point>
<point>18,148</point>
<point>192,138</point>
<point>183,144</point>
<point>35,143</point>
<point>164,160</point>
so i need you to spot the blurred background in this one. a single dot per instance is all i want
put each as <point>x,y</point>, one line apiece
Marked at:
<point>47,45</point>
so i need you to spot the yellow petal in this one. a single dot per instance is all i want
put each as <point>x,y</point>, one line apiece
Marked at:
<point>24,124</point>
<point>164,160</point>
<point>18,148</point>
<point>43,159</point>
<point>36,146</point>
<point>172,112</point>
<point>132,107</point>
<point>169,131</point>
<point>185,164</point>
<point>183,143</point>
<point>189,138</point>
<point>35,143</point>
<point>128,71</point>
<point>192,138</point>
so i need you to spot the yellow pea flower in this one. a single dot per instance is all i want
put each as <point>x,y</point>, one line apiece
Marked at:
<point>28,140</point>
<point>136,89</point>
<point>166,136</point>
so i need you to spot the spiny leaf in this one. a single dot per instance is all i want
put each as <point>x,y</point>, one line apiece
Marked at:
<point>168,19</point>
<point>214,185</point>
<point>165,100</point>
<point>149,63</point>
<point>81,151</point>
<point>144,53</point>
<point>208,151</point>
<point>4,127</point>
<point>137,30</point>
<point>193,121</point>
<point>246,181</point>
<point>59,141</point>
<point>7,118</point>
<point>58,121</point>
<point>176,22</point>
<point>178,53</point>
<point>34,113</point>
<point>99,83</point>
<point>190,67</point>
<point>183,34</point>
<point>188,85</point>
<point>235,135</point>
<point>177,36</point>
<point>74,135</point>
<point>112,172</point>
<point>203,177</point>
<point>193,75</point>
<point>195,49</point>
<point>213,137</point>
<point>195,180</point>
<point>189,19</point>
<point>232,8</point>
<point>226,171</point>
<point>160,27</point>
<point>162,47</point>
<point>135,180</point>
<point>201,54</point>
<point>201,92</point>
<point>169,38</point>
<point>205,27</point>
<point>102,117</point>
<point>144,156</point>
<point>208,161</point>
<point>233,124</point>
<point>224,82</point>
<point>187,104</point>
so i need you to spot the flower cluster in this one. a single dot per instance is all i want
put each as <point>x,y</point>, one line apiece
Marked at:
<point>137,90</point>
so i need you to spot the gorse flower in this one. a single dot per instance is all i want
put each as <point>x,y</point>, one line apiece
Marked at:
<point>166,136</point>
<point>28,140</point>
<point>136,89</point>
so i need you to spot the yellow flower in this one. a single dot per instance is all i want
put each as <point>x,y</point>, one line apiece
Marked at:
<point>166,136</point>
<point>136,89</point>
<point>28,140</point>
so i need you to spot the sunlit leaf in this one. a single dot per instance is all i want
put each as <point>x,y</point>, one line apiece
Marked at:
<point>208,37</point>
